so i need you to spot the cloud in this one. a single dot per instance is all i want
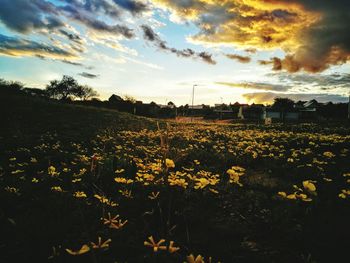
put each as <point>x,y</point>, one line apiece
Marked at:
<point>256,85</point>
<point>251,50</point>
<point>268,97</point>
<point>17,47</point>
<point>90,20</point>
<point>313,34</point>
<point>26,16</point>
<point>322,81</point>
<point>153,37</point>
<point>330,79</point>
<point>71,36</point>
<point>242,59</point>
<point>88,75</point>
<point>206,57</point>
<point>72,63</point>
<point>135,7</point>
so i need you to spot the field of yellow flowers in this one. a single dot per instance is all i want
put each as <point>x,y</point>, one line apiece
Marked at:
<point>178,193</point>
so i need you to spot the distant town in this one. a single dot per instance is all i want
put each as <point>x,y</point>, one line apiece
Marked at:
<point>283,109</point>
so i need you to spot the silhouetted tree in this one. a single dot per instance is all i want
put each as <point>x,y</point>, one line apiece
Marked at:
<point>130,99</point>
<point>85,92</point>
<point>35,92</point>
<point>11,87</point>
<point>69,88</point>
<point>63,89</point>
<point>283,105</point>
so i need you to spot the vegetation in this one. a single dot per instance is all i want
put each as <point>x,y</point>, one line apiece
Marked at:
<point>68,88</point>
<point>82,184</point>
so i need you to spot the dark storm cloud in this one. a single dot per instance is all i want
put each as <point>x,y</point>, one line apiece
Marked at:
<point>14,46</point>
<point>26,15</point>
<point>89,20</point>
<point>313,33</point>
<point>325,43</point>
<point>134,7</point>
<point>88,75</point>
<point>151,36</point>
<point>94,6</point>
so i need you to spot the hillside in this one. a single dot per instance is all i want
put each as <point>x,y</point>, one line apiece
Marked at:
<point>23,116</point>
<point>81,184</point>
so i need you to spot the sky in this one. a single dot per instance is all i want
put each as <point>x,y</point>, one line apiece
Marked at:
<point>249,51</point>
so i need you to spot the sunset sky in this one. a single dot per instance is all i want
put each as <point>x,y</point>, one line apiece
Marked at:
<point>155,50</point>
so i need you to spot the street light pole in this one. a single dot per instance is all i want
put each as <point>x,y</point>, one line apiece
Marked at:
<point>193,101</point>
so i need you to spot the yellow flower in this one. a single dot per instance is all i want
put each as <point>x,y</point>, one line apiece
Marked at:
<point>100,244</point>
<point>304,197</point>
<point>17,172</point>
<point>309,186</point>
<point>12,190</point>
<point>235,173</point>
<point>114,222</point>
<point>76,180</point>
<point>156,246</point>
<point>171,247</point>
<point>197,162</point>
<point>328,154</point>
<point>201,183</point>
<point>126,193</point>
<point>178,181</point>
<point>84,249</point>
<point>192,259</point>
<point>283,194</point>
<point>342,195</point>
<point>105,200</point>
<point>56,189</point>
<point>169,163</point>
<point>154,195</point>
<point>123,180</point>
<point>52,171</point>
<point>34,180</point>
<point>213,191</point>
<point>119,171</point>
<point>291,196</point>
<point>79,194</point>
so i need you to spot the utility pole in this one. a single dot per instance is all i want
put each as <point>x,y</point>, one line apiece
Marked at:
<point>195,85</point>
<point>349,108</point>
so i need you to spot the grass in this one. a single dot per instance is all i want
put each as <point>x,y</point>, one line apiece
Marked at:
<point>236,193</point>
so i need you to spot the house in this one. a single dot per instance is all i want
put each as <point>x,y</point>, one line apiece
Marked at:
<point>308,110</point>
<point>196,107</point>
<point>251,112</point>
<point>169,105</point>
<point>225,114</point>
<point>278,115</point>
<point>115,99</point>
<point>349,109</point>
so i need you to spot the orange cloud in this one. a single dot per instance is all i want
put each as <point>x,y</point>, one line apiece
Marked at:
<point>242,59</point>
<point>313,34</point>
